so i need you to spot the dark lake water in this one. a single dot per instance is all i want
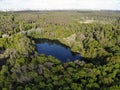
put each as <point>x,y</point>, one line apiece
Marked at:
<point>57,50</point>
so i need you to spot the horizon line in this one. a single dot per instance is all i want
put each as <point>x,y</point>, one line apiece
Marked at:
<point>58,10</point>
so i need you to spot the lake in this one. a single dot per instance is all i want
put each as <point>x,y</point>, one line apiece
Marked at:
<point>56,49</point>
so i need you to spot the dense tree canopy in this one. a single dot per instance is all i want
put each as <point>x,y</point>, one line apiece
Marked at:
<point>95,35</point>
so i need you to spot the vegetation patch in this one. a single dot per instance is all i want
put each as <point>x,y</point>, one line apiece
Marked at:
<point>22,68</point>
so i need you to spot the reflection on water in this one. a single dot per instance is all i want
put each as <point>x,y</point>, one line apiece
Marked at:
<point>57,50</point>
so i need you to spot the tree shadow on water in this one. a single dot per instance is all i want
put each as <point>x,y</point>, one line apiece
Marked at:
<point>97,61</point>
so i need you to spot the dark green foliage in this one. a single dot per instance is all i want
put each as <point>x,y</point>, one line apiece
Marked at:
<point>95,35</point>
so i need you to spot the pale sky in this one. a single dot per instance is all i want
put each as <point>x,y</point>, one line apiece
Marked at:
<point>59,4</point>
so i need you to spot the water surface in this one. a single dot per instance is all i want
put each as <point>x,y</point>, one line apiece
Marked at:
<point>57,50</point>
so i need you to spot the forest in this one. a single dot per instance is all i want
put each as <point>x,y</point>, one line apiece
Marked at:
<point>95,35</point>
